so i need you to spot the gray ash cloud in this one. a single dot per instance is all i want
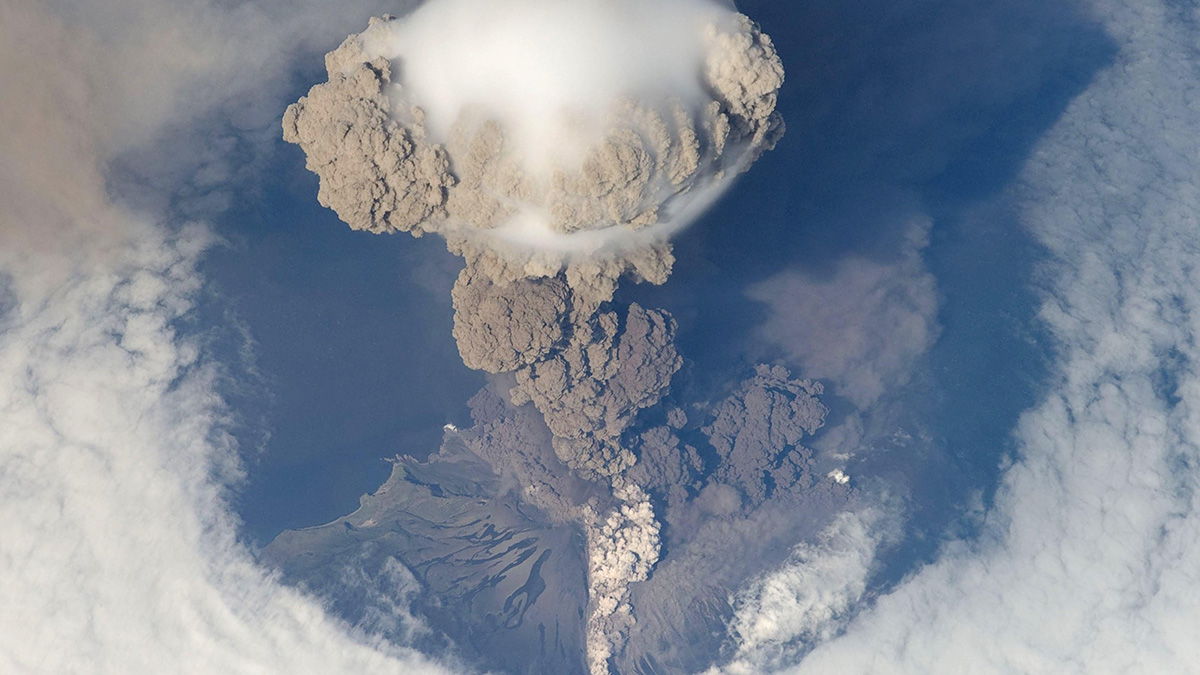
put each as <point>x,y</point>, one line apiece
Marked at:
<point>649,512</point>
<point>538,308</point>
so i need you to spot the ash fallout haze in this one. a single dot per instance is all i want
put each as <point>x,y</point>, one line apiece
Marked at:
<point>908,387</point>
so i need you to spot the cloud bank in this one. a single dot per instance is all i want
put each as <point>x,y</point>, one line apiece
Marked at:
<point>808,598</point>
<point>1088,558</point>
<point>118,553</point>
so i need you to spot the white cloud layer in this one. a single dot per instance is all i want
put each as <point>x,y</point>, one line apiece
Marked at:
<point>1090,557</point>
<point>534,63</point>
<point>806,599</point>
<point>118,553</point>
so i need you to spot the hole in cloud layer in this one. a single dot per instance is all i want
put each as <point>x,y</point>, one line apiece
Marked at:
<point>556,146</point>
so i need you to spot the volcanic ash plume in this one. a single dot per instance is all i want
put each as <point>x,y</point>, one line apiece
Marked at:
<point>556,145</point>
<point>538,133</point>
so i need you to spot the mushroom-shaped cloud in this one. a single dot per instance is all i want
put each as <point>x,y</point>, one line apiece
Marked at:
<point>556,145</point>
<point>542,130</point>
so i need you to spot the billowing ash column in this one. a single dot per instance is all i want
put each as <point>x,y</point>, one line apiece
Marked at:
<point>556,145</point>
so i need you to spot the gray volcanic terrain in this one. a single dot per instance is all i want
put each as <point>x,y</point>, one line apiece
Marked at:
<point>497,576</point>
<point>481,551</point>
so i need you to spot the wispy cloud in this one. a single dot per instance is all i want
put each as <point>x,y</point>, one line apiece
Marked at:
<point>861,327</point>
<point>1089,557</point>
<point>118,553</point>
